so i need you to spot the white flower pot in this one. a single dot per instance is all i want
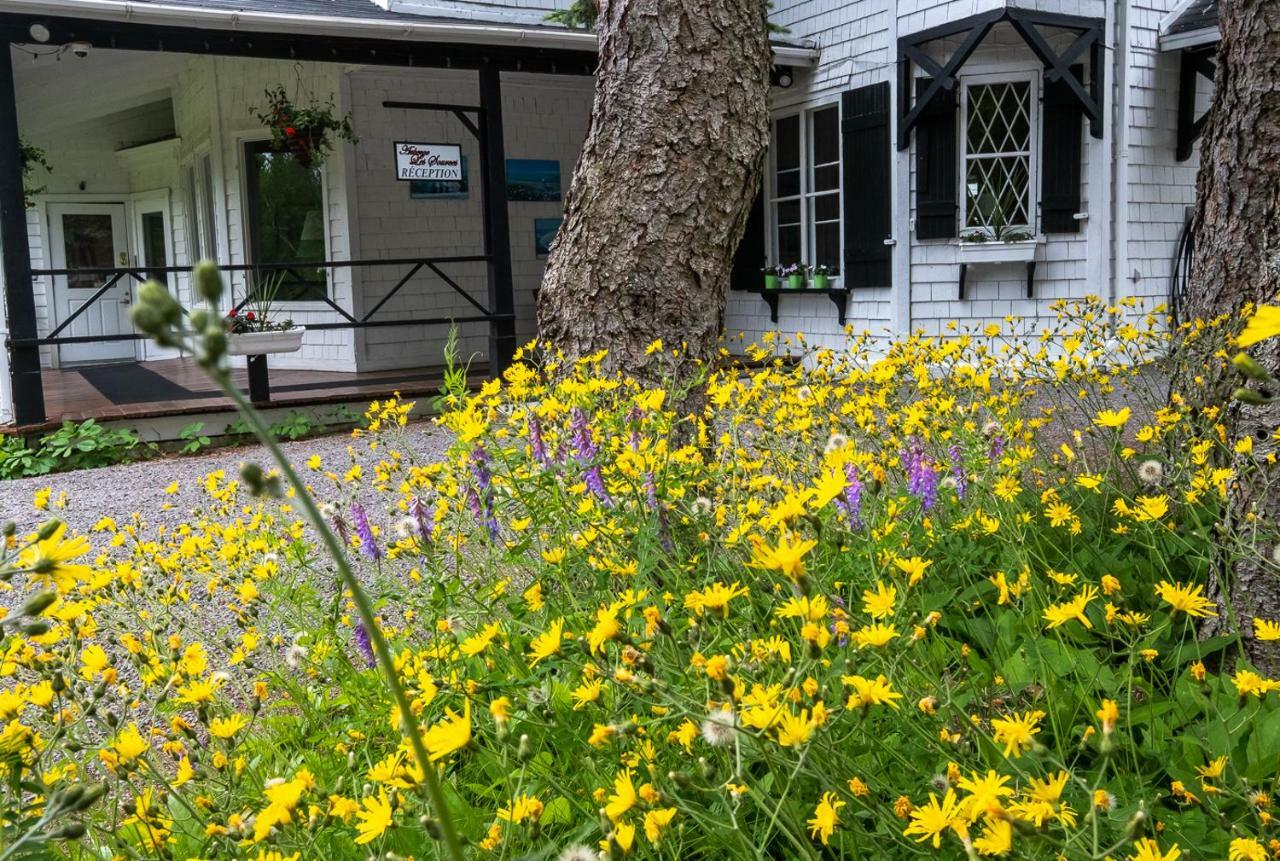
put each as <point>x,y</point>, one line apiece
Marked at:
<point>998,252</point>
<point>265,343</point>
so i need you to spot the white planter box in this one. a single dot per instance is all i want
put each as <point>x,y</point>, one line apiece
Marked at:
<point>998,252</point>
<point>264,343</point>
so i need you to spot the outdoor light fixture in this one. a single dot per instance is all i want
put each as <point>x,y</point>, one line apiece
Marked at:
<point>40,33</point>
<point>80,49</point>
<point>782,77</point>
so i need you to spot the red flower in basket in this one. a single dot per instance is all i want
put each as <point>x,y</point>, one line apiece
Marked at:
<point>290,131</point>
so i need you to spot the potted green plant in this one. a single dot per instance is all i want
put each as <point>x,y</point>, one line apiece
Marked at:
<point>771,279</point>
<point>32,157</point>
<point>253,328</point>
<point>793,275</point>
<point>821,277</point>
<point>306,132</point>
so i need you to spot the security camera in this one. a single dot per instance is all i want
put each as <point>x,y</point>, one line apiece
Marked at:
<point>80,49</point>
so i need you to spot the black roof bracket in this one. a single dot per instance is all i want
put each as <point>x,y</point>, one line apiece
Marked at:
<point>1195,62</point>
<point>1026,23</point>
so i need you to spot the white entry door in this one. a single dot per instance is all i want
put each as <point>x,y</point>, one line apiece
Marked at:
<point>91,236</point>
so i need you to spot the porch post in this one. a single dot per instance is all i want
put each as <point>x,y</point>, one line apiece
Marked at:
<point>19,289</point>
<point>497,229</point>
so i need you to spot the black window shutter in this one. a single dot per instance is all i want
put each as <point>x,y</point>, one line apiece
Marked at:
<point>866,153</point>
<point>937,184</point>
<point>1060,157</point>
<point>751,257</point>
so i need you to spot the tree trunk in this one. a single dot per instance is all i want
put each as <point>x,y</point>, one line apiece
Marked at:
<point>663,188</point>
<point>1237,260</point>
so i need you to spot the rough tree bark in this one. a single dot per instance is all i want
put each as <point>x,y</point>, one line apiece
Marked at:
<point>1237,260</point>
<point>664,185</point>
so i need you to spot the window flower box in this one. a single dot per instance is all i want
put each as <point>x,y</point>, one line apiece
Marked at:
<point>265,343</point>
<point>1019,251</point>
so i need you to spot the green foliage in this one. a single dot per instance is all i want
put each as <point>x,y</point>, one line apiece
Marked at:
<point>20,460</point>
<point>75,445</point>
<point>453,390</point>
<point>294,426</point>
<point>193,438</point>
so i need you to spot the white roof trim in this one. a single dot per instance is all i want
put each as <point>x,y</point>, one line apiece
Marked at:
<point>160,13</point>
<point>1190,39</point>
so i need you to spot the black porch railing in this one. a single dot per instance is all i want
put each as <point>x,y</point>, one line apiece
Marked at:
<point>115,274</point>
<point>258,380</point>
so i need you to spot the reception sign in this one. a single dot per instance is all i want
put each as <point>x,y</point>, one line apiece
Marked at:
<point>417,161</point>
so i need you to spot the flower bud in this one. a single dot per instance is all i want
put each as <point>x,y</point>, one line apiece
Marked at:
<point>1250,397</point>
<point>1248,366</point>
<point>208,281</point>
<point>38,603</point>
<point>48,528</point>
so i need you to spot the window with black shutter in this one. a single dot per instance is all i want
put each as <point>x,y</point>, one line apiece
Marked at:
<point>936,181</point>
<point>751,256</point>
<point>867,193</point>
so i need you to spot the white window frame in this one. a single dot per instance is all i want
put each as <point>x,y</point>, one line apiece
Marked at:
<point>1032,77</point>
<point>806,194</point>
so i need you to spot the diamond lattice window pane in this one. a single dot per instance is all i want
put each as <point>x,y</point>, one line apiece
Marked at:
<point>998,156</point>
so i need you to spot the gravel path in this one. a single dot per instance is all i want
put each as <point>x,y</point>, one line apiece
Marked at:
<point>118,491</point>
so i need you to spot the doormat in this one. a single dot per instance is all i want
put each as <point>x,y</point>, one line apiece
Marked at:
<point>134,384</point>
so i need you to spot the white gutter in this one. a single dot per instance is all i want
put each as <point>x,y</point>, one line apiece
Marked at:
<point>327,25</point>
<point>1190,39</point>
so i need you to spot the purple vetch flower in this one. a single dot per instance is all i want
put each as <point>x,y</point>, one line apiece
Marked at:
<point>480,495</point>
<point>364,644</point>
<point>997,447</point>
<point>588,451</point>
<point>423,516</point>
<point>536,443</point>
<point>922,478</point>
<point>957,470</point>
<point>849,503</point>
<point>368,546</point>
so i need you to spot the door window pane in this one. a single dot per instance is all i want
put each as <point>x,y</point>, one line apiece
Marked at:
<point>208,238</point>
<point>88,243</point>
<point>286,218</point>
<point>155,257</point>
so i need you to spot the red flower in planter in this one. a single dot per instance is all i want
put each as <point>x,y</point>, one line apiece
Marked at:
<point>249,315</point>
<point>290,131</point>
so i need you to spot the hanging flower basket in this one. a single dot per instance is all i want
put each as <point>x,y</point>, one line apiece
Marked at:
<point>307,132</point>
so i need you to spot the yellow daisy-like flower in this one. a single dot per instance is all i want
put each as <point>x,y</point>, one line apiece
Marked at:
<point>826,816</point>
<point>375,817</point>
<point>50,559</point>
<point>1016,732</point>
<point>930,821</point>
<point>1265,323</point>
<point>1186,598</point>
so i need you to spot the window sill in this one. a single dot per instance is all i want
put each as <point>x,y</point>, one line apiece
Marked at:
<point>1023,251</point>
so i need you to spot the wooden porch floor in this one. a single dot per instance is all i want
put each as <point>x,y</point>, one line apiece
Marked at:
<point>179,387</point>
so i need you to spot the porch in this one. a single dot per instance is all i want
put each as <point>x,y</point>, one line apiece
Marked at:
<point>171,168</point>
<point>177,387</point>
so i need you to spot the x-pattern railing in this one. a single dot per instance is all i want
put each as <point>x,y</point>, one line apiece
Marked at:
<point>115,274</point>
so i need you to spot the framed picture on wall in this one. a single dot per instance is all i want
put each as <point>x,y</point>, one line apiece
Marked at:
<point>544,233</point>
<point>438,189</point>
<point>533,179</point>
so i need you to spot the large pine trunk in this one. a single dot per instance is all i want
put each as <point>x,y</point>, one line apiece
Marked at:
<point>663,188</point>
<point>1237,260</point>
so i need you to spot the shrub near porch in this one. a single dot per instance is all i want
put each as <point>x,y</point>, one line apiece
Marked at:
<point>865,607</point>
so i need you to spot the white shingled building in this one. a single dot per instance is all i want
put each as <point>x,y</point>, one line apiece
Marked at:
<point>942,159</point>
